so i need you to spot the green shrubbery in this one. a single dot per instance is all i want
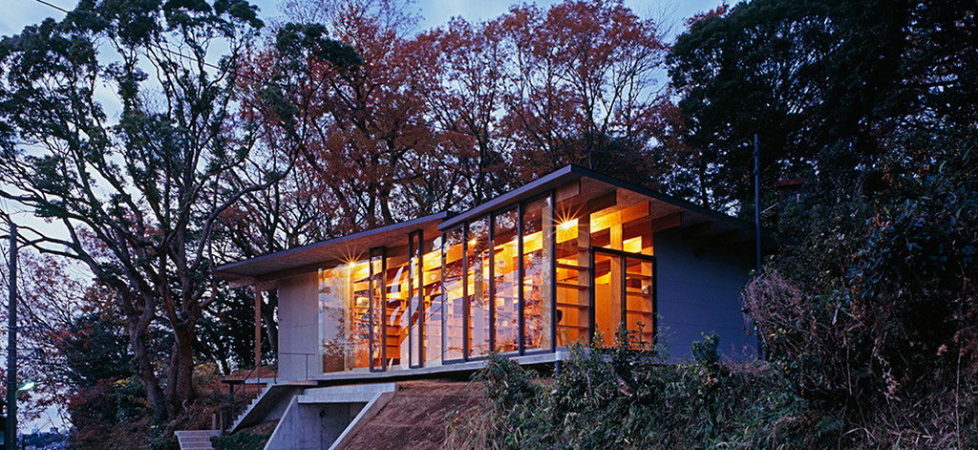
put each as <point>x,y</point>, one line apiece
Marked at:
<point>240,441</point>
<point>624,398</point>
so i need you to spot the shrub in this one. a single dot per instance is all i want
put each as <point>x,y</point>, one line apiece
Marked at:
<point>886,335</point>
<point>240,441</point>
<point>626,398</point>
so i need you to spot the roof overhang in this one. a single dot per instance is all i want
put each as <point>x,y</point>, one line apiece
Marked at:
<point>310,257</point>
<point>668,210</point>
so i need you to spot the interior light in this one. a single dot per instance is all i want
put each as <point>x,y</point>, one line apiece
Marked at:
<point>567,224</point>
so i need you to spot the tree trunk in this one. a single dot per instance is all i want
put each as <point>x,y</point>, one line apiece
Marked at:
<point>180,388</point>
<point>144,369</point>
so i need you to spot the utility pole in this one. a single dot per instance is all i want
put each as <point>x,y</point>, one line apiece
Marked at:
<point>757,202</point>
<point>10,434</point>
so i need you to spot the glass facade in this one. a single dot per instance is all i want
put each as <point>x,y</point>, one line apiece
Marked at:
<point>549,271</point>
<point>505,281</point>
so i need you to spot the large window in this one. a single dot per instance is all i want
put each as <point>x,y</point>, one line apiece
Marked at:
<point>478,261</point>
<point>344,316</point>
<point>526,278</point>
<point>375,315</point>
<point>537,266</point>
<point>506,316</point>
<point>431,336</point>
<point>624,297</point>
<point>453,286</point>
<point>415,304</point>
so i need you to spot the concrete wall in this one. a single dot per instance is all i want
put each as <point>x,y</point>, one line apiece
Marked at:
<point>312,426</point>
<point>699,292</point>
<point>298,335</point>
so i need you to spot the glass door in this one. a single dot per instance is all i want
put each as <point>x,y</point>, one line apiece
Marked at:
<point>622,297</point>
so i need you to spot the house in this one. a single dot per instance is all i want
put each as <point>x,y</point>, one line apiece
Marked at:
<point>569,258</point>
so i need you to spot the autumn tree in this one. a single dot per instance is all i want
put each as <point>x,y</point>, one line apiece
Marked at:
<point>582,84</point>
<point>467,67</point>
<point>137,194</point>
<point>375,158</point>
<point>51,295</point>
<point>459,114</point>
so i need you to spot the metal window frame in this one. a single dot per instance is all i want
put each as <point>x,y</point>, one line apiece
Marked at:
<point>515,209</point>
<point>468,295</point>
<point>623,255</point>
<point>416,250</point>
<point>380,252</point>
<point>520,209</point>
<point>444,295</point>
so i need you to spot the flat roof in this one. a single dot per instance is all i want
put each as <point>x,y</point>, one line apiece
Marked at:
<point>309,257</point>
<point>572,173</point>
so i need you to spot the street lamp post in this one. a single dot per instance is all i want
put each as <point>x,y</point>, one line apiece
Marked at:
<point>10,434</point>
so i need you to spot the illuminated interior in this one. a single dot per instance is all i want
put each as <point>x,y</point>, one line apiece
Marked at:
<point>570,265</point>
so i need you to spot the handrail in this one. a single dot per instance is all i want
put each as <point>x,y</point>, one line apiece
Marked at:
<point>230,412</point>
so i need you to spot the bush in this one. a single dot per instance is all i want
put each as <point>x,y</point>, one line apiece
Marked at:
<point>240,441</point>
<point>626,398</point>
<point>884,328</point>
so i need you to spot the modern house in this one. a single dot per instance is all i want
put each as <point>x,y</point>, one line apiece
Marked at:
<point>569,258</point>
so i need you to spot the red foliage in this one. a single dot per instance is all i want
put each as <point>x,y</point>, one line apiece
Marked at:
<point>467,111</point>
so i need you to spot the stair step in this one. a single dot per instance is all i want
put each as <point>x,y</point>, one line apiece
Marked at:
<point>196,439</point>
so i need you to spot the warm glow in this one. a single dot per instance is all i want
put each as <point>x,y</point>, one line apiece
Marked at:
<point>567,224</point>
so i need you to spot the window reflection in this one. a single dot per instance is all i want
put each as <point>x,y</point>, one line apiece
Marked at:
<point>454,295</point>
<point>537,259</point>
<point>431,336</point>
<point>585,266</point>
<point>477,286</point>
<point>506,281</point>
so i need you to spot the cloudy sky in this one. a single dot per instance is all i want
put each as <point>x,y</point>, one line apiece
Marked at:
<point>16,14</point>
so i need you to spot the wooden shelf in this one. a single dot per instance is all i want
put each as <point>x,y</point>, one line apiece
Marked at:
<point>638,276</point>
<point>571,267</point>
<point>573,305</point>
<point>572,286</point>
<point>644,313</point>
<point>579,327</point>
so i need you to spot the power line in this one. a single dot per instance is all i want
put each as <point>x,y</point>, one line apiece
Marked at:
<point>382,114</point>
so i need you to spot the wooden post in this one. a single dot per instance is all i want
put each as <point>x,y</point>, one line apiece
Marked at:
<point>258,305</point>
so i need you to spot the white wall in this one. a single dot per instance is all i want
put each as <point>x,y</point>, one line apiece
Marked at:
<point>298,332</point>
<point>698,292</point>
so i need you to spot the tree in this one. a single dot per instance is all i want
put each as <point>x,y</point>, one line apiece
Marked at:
<point>827,84</point>
<point>367,139</point>
<point>136,196</point>
<point>456,115</point>
<point>582,83</point>
<point>50,297</point>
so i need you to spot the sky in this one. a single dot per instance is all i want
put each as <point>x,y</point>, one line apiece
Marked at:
<point>16,14</point>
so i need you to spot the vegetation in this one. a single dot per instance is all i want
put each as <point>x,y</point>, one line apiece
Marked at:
<point>158,139</point>
<point>867,313</point>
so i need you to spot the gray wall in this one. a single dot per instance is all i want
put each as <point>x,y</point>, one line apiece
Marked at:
<point>699,292</point>
<point>298,335</point>
<point>312,426</point>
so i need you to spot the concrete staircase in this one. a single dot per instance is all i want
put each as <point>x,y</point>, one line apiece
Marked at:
<point>196,439</point>
<point>267,400</point>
